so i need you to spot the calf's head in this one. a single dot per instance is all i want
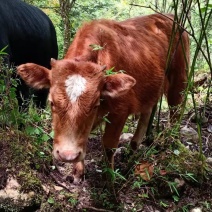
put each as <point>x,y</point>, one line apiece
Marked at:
<point>75,92</point>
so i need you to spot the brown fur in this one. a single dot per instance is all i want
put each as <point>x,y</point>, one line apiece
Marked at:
<point>139,46</point>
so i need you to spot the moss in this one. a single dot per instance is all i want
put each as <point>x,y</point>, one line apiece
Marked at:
<point>18,156</point>
<point>180,159</point>
<point>29,181</point>
<point>18,205</point>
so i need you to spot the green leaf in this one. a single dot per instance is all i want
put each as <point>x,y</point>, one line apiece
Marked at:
<point>176,152</point>
<point>37,166</point>
<point>45,137</point>
<point>143,195</point>
<point>42,153</point>
<point>163,204</point>
<point>51,200</point>
<point>37,131</point>
<point>190,175</point>
<point>105,118</point>
<point>30,130</point>
<point>2,51</point>
<point>96,47</point>
<point>51,134</point>
<point>175,198</point>
<point>125,129</point>
<point>110,72</point>
<point>203,9</point>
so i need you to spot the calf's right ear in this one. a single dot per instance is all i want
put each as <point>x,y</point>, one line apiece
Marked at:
<point>34,75</point>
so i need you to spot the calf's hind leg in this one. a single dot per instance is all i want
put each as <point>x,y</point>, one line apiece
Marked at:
<point>177,78</point>
<point>177,84</point>
<point>141,129</point>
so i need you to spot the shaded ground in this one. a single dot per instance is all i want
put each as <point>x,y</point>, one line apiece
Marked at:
<point>168,188</point>
<point>166,176</point>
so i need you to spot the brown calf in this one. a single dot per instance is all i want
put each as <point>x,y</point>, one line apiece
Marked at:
<point>81,93</point>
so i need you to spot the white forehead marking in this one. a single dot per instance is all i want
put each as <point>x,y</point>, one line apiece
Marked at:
<point>75,86</point>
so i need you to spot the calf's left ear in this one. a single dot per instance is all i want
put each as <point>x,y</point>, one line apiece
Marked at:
<point>117,85</point>
<point>34,75</point>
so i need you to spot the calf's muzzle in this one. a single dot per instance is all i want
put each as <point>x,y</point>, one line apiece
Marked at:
<point>67,156</point>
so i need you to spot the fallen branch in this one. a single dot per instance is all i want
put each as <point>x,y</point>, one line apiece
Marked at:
<point>97,209</point>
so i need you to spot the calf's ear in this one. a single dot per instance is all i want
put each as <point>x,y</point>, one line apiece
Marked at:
<point>34,75</point>
<point>117,85</point>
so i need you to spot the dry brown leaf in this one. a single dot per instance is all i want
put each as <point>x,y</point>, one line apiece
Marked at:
<point>145,170</point>
<point>163,172</point>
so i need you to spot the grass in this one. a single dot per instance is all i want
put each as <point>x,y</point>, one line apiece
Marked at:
<point>27,155</point>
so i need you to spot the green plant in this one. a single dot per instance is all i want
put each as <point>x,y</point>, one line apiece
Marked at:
<point>189,176</point>
<point>104,118</point>
<point>173,187</point>
<point>38,124</point>
<point>138,183</point>
<point>163,204</point>
<point>73,201</point>
<point>9,114</point>
<point>51,200</point>
<point>185,208</point>
<point>103,197</point>
<point>207,205</point>
<point>114,175</point>
<point>2,51</point>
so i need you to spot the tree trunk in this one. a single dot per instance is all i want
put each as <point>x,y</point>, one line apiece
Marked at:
<point>65,7</point>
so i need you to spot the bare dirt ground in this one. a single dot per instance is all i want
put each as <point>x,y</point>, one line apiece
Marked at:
<point>52,190</point>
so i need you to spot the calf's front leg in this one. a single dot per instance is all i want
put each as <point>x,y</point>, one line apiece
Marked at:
<point>111,136</point>
<point>78,171</point>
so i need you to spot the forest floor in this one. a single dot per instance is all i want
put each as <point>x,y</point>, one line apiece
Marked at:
<point>169,175</point>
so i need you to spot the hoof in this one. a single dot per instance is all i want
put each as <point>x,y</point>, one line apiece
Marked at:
<point>134,145</point>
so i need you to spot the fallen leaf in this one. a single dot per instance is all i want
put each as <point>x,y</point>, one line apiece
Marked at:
<point>163,172</point>
<point>189,133</point>
<point>145,170</point>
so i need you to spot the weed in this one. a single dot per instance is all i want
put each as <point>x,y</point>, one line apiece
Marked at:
<point>113,175</point>
<point>51,200</point>
<point>185,208</point>
<point>163,204</point>
<point>207,205</point>
<point>73,201</point>
<point>9,114</point>
<point>173,187</point>
<point>103,197</point>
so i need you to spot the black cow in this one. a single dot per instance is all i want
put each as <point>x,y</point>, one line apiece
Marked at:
<point>30,37</point>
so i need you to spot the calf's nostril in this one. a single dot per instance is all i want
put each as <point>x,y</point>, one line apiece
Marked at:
<point>68,156</point>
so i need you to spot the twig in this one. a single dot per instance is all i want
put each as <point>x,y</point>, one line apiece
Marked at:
<point>137,5</point>
<point>195,39</point>
<point>60,183</point>
<point>191,34</point>
<point>97,209</point>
